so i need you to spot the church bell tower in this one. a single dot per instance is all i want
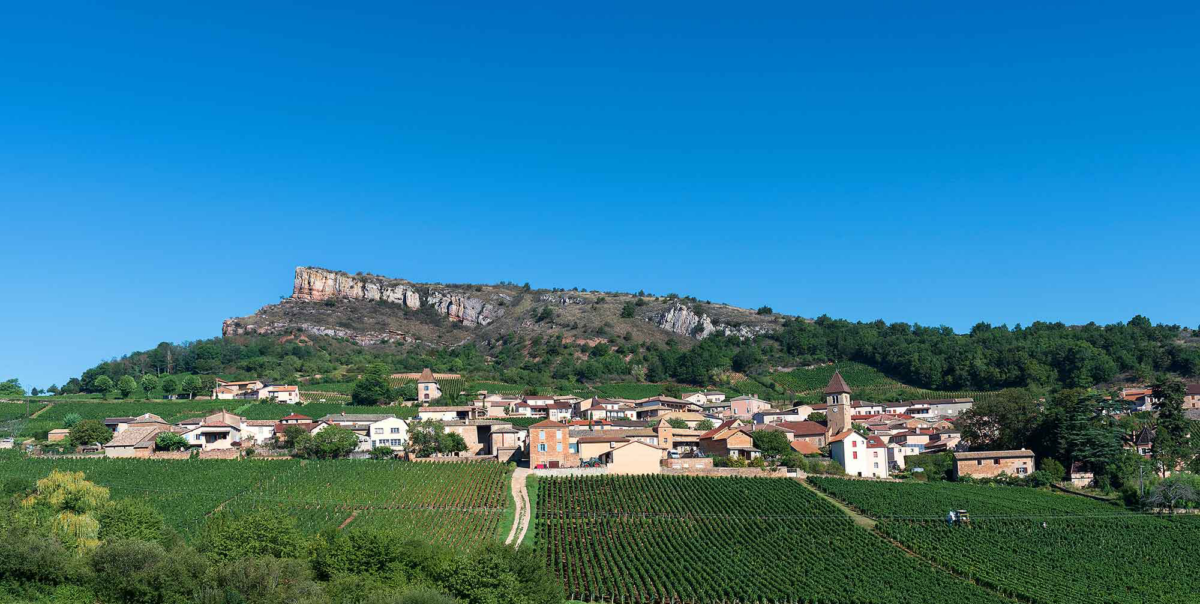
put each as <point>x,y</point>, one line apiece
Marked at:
<point>837,400</point>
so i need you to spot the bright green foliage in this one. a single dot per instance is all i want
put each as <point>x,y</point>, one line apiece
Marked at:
<point>191,386</point>
<point>11,387</point>
<point>330,443</point>
<point>1088,551</point>
<point>645,539</point>
<point>456,504</point>
<point>171,411</point>
<point>856,375</point>
<point>127,386</point>
<point>170,441</point>
<point>103,384</point>
<point>90,431</point>
<point>130,519</point>
<point>373,387</point>
<point>149,384</point>
<point>260,533</point>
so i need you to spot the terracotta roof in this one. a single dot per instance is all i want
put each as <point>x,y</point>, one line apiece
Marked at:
<point>837,385</point>
<point>994,454</point>
<point>281,388</point>
<point>426,376</point>
<point>603,439</point>
<point>137,436</point>
<point>804,428</point>
<point>840,437</point>
<point>874,442</point>
<point>356,418</point>
<point>308,427</point>
<point>456,408</point>
<point>259,422</point>
<point>805,447</point>
<point>548,424</point>
<point>297,416</point>
<point>722,426</point>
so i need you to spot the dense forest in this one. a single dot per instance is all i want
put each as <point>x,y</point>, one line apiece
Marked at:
<point>987,358</point>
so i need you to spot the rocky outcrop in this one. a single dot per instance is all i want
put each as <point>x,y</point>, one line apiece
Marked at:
<point>317,284</point>
<point>561,300</point>
<point>464,309</point>
<point>683,321</point>
<point>237,327</point>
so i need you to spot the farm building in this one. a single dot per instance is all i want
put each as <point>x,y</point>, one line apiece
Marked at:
<point>987,464</point>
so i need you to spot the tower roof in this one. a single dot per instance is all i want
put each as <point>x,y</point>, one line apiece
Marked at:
<point>837,385</point>
<point>426,376</point>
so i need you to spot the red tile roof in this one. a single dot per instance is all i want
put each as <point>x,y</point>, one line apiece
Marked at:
<point>426,376</point>
<point>804,447</point>
<point>297,416</point>
<point>548,424</point>
<point>837,385</point>
<point>804,428</point>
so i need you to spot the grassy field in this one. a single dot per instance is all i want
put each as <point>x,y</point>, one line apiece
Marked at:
<point>1086,550</point>
<point>456,504</point>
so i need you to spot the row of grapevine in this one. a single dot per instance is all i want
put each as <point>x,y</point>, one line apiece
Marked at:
<point>1037,546</point>
<point>812,379</point>
<point>458,504</point>
<point>730,540</point>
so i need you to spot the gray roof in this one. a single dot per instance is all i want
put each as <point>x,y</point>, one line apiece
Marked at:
<point>357,417</point>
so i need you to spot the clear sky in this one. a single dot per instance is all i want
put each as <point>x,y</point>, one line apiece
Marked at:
<point>163,168</point>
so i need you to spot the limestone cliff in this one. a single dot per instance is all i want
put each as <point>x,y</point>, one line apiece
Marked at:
<point>373,310</point>
<point>681,320</point>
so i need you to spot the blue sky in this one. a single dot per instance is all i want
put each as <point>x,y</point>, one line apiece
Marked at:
<point>163,168</point>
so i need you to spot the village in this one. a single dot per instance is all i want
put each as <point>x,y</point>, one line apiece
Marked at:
<point>698,432</point>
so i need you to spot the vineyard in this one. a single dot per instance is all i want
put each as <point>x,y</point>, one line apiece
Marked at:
<point>699,539</point>
<point>457,504</point>
<point>1088,551</point>
<point>808,380</point>
<point>171,411</point>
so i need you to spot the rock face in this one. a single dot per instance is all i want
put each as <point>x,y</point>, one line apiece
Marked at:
<point>682,320</point>
<point>317,284</point>
<point>561,300</point>
<point>235,327</point>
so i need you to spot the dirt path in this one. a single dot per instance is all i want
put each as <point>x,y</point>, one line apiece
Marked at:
<point>353,515</point>
<point>522,516</point>
<point>42,410</point>
<point>859,519</point>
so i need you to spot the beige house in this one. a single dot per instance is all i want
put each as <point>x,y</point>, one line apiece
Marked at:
<point>134,441</point>
<point>988,464</point>
<point>427,387</point>
<point>283,394</point>
<point>58,435</point>
<point>633,457</point>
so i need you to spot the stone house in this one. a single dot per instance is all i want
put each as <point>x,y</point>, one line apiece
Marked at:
<point>550,447</point>
<point>989,464</point>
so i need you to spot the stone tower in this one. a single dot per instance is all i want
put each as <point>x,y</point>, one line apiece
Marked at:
<point>837,397</point>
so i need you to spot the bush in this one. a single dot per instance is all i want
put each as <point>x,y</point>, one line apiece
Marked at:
<point>269,580</point>
<point>71,419</point>
<point>229,537</point>
<point>90,431</point>
<point>170,441</point>
<point>1053,468</point>
<point>382,453</point>
<point>142,572</point>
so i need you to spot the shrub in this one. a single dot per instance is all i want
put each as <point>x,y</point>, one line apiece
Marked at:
<point>131,519</point>
<point>90,431</point>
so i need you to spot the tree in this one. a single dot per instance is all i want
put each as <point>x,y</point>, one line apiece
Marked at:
<point>293,435</point>
<point>547,314</point>
<point>1173,445</point>
<point>628,310</point>
<point>170,386</point>
<point>382,453</point>
<point>816,416</point>
<point>170,441</point>
<point>1006,422</point>
<point>764,310</point>
<point>331,442</point>
<point>90,431</point>
<point>33,392</point>
<point>53,389</point>
<point>11,388</point>
<point>71,419</point>
<point>103,384</point>
<point>429,437</point>
<point>705,425</point>
<point>373,388</point>
<point>1170,493</point>
<point>672,390</point>
<point>1051,466</point>
<point>772,443</point>
<point>406,392</point>
<point>127,385</point>
<point>191,386</point>
<point>677,423</point>
<point>149,384</point>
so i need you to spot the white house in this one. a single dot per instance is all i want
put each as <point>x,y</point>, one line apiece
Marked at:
<point>282,394</point>
<point>391,432</point>
<point>897,452</point>
<point>445,414</point>
<point>860,455</point>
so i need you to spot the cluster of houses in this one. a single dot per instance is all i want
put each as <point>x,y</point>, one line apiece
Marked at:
<point>624,435</point>
<point>256,390</point>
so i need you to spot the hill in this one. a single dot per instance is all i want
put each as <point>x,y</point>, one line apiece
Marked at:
<point>371,310</point>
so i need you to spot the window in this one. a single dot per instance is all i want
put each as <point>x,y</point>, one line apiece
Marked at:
<point>560,447</point>
<point>542,448</point>
<point>541,435</point>
<point>856,455</point>
<point>574,448</point>
<point>395,430</point>
<point>854,443</point>
<point>1022,471</point>
<point>876,456</point>
<point>876,465</point>
<point>379,430</point>
<point>979,462</point>
<point>995,462</point>
<point>426,387</point>
<point>558,434</point>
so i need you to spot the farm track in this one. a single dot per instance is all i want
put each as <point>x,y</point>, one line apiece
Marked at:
<point>353,515</point>
<point>42,410</point>
<point>524,513</point>
<point>859,519</point>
